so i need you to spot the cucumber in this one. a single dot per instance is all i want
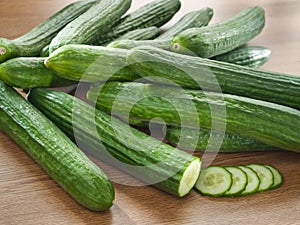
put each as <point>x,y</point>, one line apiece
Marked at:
<point>191,72</point>
<point>221,37</point>
<point>253,181</point>
<point>54,151</point>
<point>251,56</point>
<point>230,143</point>
<point>278,179</point>
<point>269,123</point>
<point>214,181</point>
<point>97,20</point>
<point>265,175</point>
<point>90,63</point>
<point>147,33</point>
<point>239,181</point>
<point>32,42</point>
<point>113,141</point>
<point>129,44</point>
<point>196,18</point>
<point>155,13</point>
<point>29,72</point>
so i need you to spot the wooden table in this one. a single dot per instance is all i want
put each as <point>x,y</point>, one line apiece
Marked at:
<point>29,196</point>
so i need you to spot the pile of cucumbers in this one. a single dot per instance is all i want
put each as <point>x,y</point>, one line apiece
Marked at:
<point>136,72</point>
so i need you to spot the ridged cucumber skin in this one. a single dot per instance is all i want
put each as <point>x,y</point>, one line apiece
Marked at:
<point>268,86</point>
<point>97,20</point>
<point>97,130</point>
<point>90,63</point>
<point>230,143</point>
<point>147,33</point>
<point>32,42</point>
<point>197,18</point>
<point>54,151</point>
<point>221,37</point>
<point>251,56</point>
<point>269,123</point>
<point>155,13</point>
<point>129,44</point>
<point>30,72</point>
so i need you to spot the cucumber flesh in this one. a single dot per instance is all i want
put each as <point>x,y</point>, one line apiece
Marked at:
<point>278,179</point>
<point>239,181</point>
<point>214,181</point>
<point>265,176</point>
<point>253,181</point>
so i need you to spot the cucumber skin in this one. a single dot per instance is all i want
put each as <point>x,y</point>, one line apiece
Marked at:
<point>90,63</point>
<point>54,151</point>
<point>196,18</point>
<point>221,37</point>
<point>129,44</point>
<point>31,43</point>
<point>273,87</point>
<point>231,143</point>
<point>155,13</point>
<point>147,33</point>
<point>269,123</point>
<point>58,107</point>
<point>85,28</point>
<point>30,72</point>
<point>251,56</point>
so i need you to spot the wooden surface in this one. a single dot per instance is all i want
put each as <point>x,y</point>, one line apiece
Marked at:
<point>29,196</point>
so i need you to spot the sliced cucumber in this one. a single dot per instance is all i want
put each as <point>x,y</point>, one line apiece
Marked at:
<point>278,179</point>
<point>265,175</point>
<point>214,181</point>
<point>253,181</point>
<point>239,181</point>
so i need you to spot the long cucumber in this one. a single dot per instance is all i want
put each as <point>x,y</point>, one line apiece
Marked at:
<point>54,151</point>
<point>32,42</point>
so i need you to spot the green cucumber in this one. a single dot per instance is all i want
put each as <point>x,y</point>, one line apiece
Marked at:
<point>197,18</point>
<point>147,33</point>
<point>113,141</point>
<point>54,151</point>
<point>269,123</point>
<point>265,176</point>
<point>230,143</point>
<point>90,63</point>
<point>29,72</point>
<point>239,181</point>
<point>191,72</point>
<point>129,44</point>
<point>32,42</point>
<point>97,20</point>
<point>278,179</point>
<point>253,181</point>
<point>221,37</point>
<point>155,13</point>
<point>214,181</point>
<point>251,56</point>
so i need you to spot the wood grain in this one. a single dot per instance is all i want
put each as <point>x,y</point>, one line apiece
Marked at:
<point>29,196</point>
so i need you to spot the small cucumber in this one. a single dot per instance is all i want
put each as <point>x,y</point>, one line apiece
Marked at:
<point>30,72</point>
<point>147,33</point>
<point>214,181</point>
<point>265,176</point>
<point>155,13</point>
<point>122,146</point>
<point>253,181</point>
<point>32,42</point>
<point>54,151</point>
<point>251,56</point>
<point>97,20</point>
<point>239,181</point>
<point>221,37</point>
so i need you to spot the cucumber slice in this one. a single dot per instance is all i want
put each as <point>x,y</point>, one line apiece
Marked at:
<point>253,181</point>
<point>239,181</point>
<point>278,179</point>
<point>214,181</point>
<point>265,175</point>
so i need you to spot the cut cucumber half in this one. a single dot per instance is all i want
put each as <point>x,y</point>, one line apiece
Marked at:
<point>214,181</point>
<point>278,179</point>
<point>253,181</point>
<point>265,175</point>
<point>239,181</point>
